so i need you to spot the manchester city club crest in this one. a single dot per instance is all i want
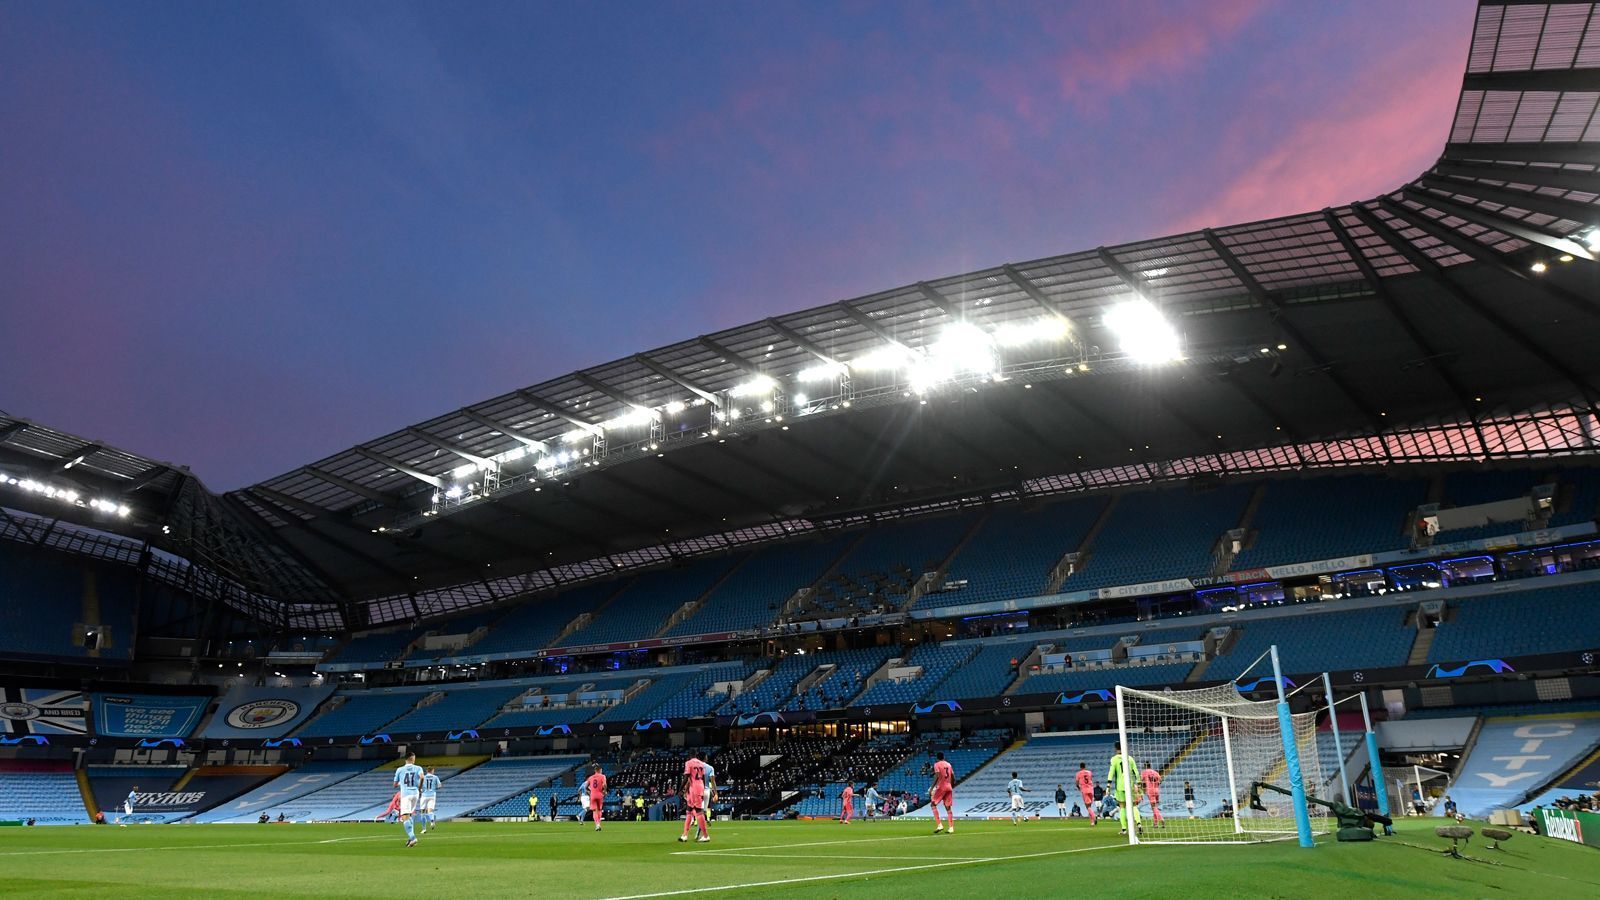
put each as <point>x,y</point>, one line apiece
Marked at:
<point>262,713</point>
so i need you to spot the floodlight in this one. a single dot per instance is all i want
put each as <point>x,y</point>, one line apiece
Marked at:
<point>1045,329</point>
<point>799,399</point>
<point>1538,267</point>
<point>822,372</point>
<point>1592,239</point>
<point>755,387</point>
<point>575,435</point>
<point>890,357</point>
<point>674,407</point>
<point>453,491</point>
<point>1143,332</point>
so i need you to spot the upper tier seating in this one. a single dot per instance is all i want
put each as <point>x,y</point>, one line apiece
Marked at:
<point>1317,641</point>
<point>881,569</point>
<point>1105,679</point>
<point>777,690</point>
<point>1473,488</point>
<point>1301,520</point>
<point>644,606</point>
<point>1584,499</point>
<point>1541,620</point>
<point>43,595</point>
<point>374,649</point>
<point>459,708</point>
<point>676,691</point>
<point>937,662</point>
<point>1156,535</point>
<point>1014,551</point>
<point>987,674</point>
<point>360,713</point>
<point>44,791</point>
<point>752,595</point>
<point>534,624</point>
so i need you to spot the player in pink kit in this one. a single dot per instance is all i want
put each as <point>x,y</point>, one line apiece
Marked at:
<point>1152,790</point>
<point>943,792</point>
<point>694,797</point>
<point>848,798</point>
<point>1085,782</point>
<point>596,786</point>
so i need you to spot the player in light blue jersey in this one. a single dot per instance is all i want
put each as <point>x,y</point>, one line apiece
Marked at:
<point>874,800</point>
<point>430,793</point>
<point>127,807</point>
<point>1016,790</point>
<point>408,780</point>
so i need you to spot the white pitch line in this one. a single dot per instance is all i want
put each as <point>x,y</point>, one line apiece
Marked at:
<point>885,871</point>
<point>904,837</point>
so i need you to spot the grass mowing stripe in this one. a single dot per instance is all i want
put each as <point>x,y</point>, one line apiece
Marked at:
<point>886,871</point>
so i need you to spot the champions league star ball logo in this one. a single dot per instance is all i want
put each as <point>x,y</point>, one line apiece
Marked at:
<point>262,714</point>
<point>18,711</point>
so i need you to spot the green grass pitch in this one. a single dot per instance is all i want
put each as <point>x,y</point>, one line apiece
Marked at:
<point>778,859</point>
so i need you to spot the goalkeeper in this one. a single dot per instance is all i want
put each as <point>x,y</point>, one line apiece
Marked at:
<point>1122,782</point>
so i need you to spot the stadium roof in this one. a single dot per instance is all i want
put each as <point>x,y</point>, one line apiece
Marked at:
<point>1466,294</point>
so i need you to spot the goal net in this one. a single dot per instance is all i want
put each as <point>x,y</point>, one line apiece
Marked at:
<point>1207,747</point>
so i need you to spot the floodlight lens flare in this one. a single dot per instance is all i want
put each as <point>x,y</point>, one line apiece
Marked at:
<point>1143,332</point>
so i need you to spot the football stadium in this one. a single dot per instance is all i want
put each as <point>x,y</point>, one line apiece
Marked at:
<point>1259,559</point>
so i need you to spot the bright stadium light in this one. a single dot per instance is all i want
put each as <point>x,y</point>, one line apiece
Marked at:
<point>576,435</point>
<point>1592,239</point>
<point>755,387</point>
<point>1143,332</point>
<point>674,407</point>
<point>891,357</point>
<point>822,372</point>
<point>453,492</point>
<point>635,417</point>
<point>1043,330</point>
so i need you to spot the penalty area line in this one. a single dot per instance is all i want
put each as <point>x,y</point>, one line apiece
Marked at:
<point>889,870</point>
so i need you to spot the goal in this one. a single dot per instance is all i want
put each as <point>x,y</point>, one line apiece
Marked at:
<point>1209,746</point>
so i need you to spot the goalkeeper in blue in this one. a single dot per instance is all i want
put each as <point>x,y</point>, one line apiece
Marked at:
<point>408,780</point>
<point>430,794</point>
<point>1016,790</point>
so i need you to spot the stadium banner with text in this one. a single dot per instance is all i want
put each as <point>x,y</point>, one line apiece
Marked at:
<point>148,715</point>
<point>27,711</point>
<point>247,711</point>
<point>1569,825</point>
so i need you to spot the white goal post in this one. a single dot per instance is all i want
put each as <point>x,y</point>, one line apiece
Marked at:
<point>1194,757</point>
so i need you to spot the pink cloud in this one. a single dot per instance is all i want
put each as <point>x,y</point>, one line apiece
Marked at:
<point>1361,145</point>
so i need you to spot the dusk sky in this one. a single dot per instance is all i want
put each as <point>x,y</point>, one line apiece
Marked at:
<point>243,236</point>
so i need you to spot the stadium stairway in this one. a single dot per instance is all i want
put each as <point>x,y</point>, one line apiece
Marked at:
<point>1513,758</point>
<point>495,780</point>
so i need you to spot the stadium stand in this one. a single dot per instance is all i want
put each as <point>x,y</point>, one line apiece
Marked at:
<point>363,796</point>
<point>374,649</point>
<point>306,778</point>
<point>360,713</point>
<point>777,690</point>
<point>642,608</point>
<point>936,662</point>
<point>1330,517</point>
<point>1043,762</point>
<point>985,674</point>
<point>533,625</point>
<point>1537,620</point>
<point>1156,535</point>
<point>1320,639</point>
<point>878,573</point>
<point>44,596</point>
<point>915,775</point>
<point>758,587</point>
<point>498,780</point>
<point>1105,678</point>
<point>1583,501</point>
<point>456,709</point>
<point>673,694</point>
<point>1014,551</point>
<point>1514,758</point>
<point>43,790</point>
